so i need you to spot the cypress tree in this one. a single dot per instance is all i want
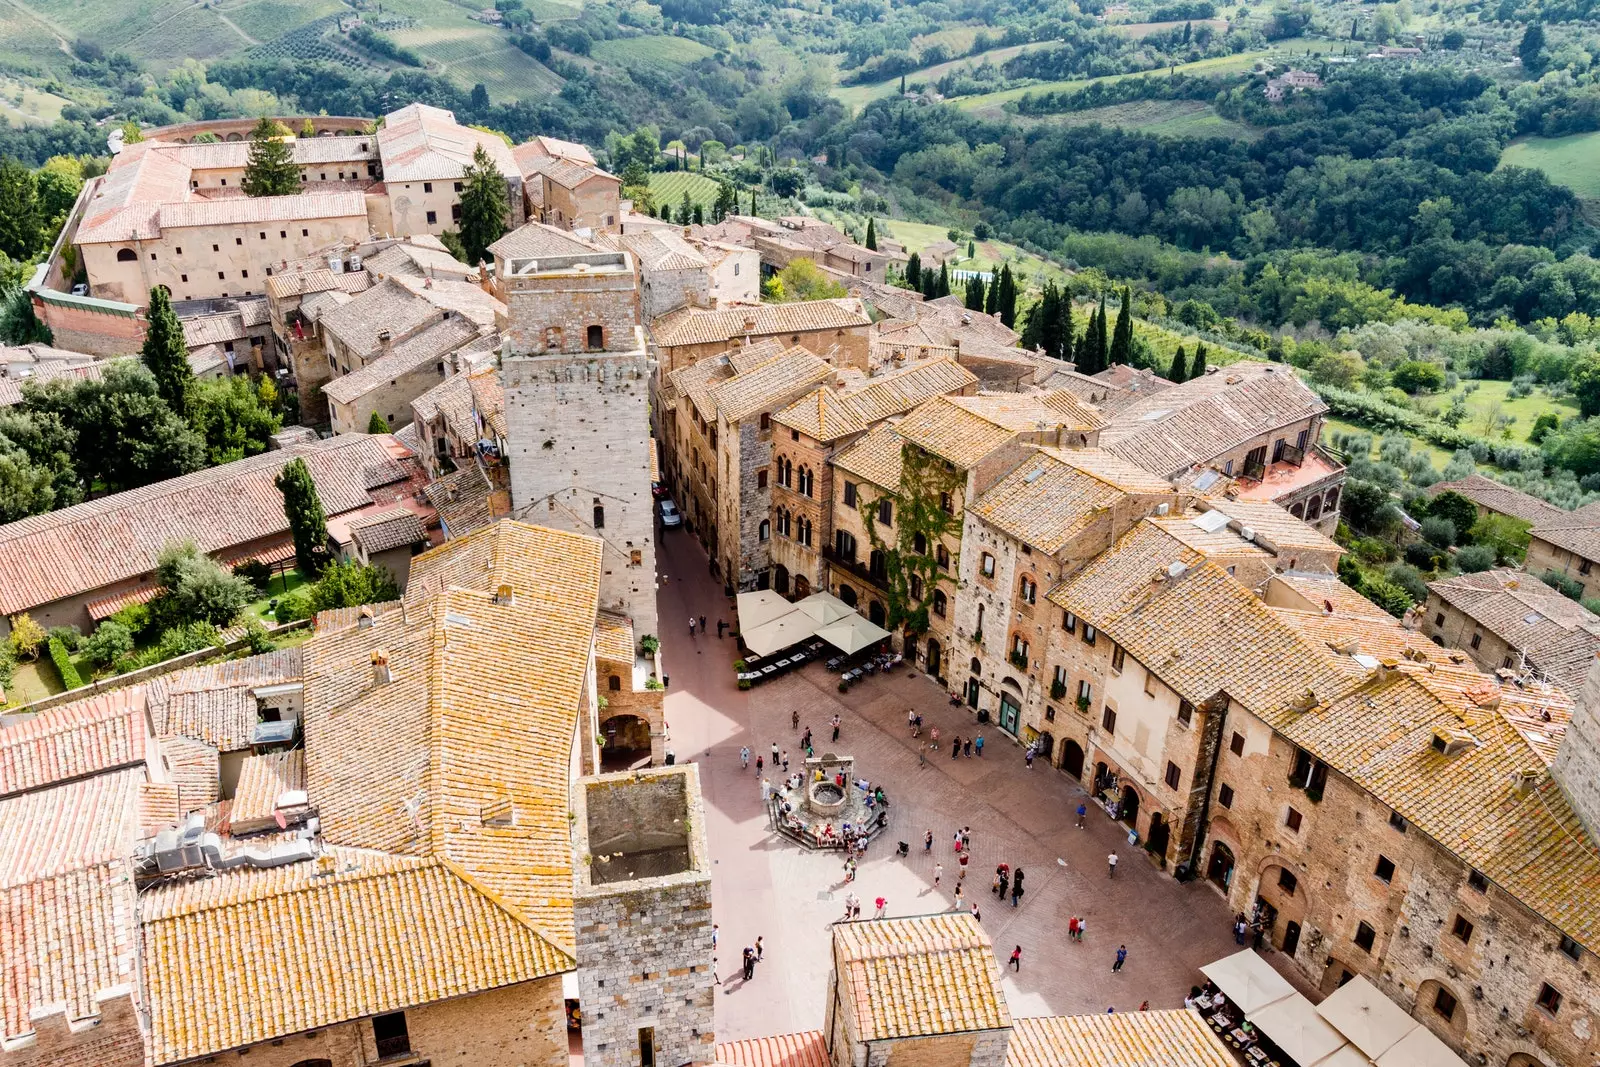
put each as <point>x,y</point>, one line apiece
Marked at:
<point>1064,328</point>
<point>1035,331</point>
<point>1122,338</point>
<point>975,293</point>
<point>872,234</point>
<point>484,206</point>
<point>308,522</point>
<point>270,170</point>
<point>752,201</point>
<point>1179,368</point>
<point>991,300</point>
<point>1101,344</point>
<point>685,209</point>
<point>166,353</point>
<point>377,424</point>
<point>944,280</point>
<point>914,271</point>
<point>1008,297</point>
<point>1084,355</point>
<point>1198,367</point>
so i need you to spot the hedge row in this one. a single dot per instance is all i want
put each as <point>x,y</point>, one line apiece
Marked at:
<point>69,674</point>
<point>1381,415</point>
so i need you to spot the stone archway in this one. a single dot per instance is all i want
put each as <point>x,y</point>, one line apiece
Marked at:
<point>780,579</point>
<point>847,594</point>
<point>626,742</point>
<point>1281,891</point>
<point>1159,835</point>
<point>935,654</point>
<point>802,586</point>
<point>1219,868</point>
<point>1128,806</point>
<point>1072,758</point>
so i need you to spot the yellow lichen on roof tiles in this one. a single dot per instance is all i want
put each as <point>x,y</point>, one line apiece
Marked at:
<point>965,429</point>
<point>769,384</point>
<point>697,380</point>
<point>613,637</point>
<point>1275,526</point>
<point>899,391</point>
<point>1057,494</point>
<point>254,955</point>
<point>933,974</point>
<point>1177,1038</point>
<point>876,458</point>
<point>262,780</point>
<point>823,415</point>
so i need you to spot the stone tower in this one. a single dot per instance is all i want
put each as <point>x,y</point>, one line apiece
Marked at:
<point>1577,765</point>
<point>642,911</point>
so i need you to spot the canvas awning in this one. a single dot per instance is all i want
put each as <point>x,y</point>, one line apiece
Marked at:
<point>1347,1056</point>
<point>1369,1020</point>
<point>825,608</point>
<point>1420,1048</point>
<point>778,634</point>
<point>852,634</point>
<point>1248,980</point>
<point>759,607</point>
<point>1297,1029</point>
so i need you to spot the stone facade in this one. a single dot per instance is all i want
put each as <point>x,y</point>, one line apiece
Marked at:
<point>392,399</point>
<point>843,347</point>
<point>1577,765</point>
<point>112,1037</point>
<point>642,911</point>
<point>1546,556</point>
<point>802,524</point>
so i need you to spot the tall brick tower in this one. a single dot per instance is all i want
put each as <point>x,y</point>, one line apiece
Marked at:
<point>642,910</point>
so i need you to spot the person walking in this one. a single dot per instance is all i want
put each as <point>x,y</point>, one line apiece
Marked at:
<point>1239,928</point>
<point>977,914</point>
<point>691,625</point>
<point>1003,885</point>
<point>1083,927</point>
<point>850,904</point>
<point>966,857</point>
<point>760,951</point>
<point>850,869</point>
<point>1072,928</point>
<point>785,761</point>
<point>805,738</point>
<point>1016,888</point>
<point>1111,864</point>
<point>1122,957</point>
<point>794,719</point>
<point>1016,959</point>
<point>955,747</point>
<point>955,843</point>
<point>760,763</point>
<point>922,755</point>
<point>1083,809</point>
<point>933,733</point>
<point>911,721</point>
<point>977,743</point>
<point>836,727</point>
<point>1027,757</point>
<point>774,753</point>
<point>702,624</point>
<point>749,963</point>
<point>766,785</point>
<point>883,904</point>
<point>959,905</point>
<point>938,874</point>
<point>927,841</point>
<point>722,624</point>
<point>966,839</point>
<point>744,757</point>
<point>855,907</point>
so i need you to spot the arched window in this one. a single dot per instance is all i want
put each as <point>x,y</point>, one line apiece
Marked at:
<point>939,603</point>
<point>941,556</point>
<point>845,545</point>
<point>805,481</point>
<point>599,517</point>
<point>763,531</point>
<point>976,666</point>
<point>878,564</point>
<point>126,255</point>
<point>597,338</point>
<point>613,683</point>
<point>916,587</point>
<point>805,532</point>
<point>980,619</point>
<point>783,523</point>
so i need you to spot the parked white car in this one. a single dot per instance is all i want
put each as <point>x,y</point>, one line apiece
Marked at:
<point>670,515</point>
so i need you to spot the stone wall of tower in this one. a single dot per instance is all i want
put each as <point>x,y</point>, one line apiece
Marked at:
<point>1577,765</point>
<point>579,441</point>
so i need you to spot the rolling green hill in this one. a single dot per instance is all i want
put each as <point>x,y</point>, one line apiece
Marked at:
<point>1573,161</point>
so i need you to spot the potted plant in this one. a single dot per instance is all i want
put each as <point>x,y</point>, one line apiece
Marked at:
<point>649,644</point>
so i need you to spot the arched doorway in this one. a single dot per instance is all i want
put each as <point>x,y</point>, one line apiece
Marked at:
<point>314,1063</point>
<point>847,594</point>
<point>876,613</point>
<point>1283,906</point>
<point>1128,806</point>
<point>1220,870</point>
<point>1010,706</point>
<point>1335,975</point>
<point>1072,758</point>
<point>626,742</point>
<point>1044,746</point>
<point>780,579</point>
<point>934,654</point>
<point>802,586</point>
<point>1156,839</point>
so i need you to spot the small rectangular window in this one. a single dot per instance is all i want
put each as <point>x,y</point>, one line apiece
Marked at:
<point>433,217</point>
<point>221,276</point>
<point>1477,881</point>
<point>1085,690</point>
<point>427,187</point>
<point>1397,821</point>
<point>390,1033</point>
<point>459,187</point>
<point>761,479</point>
<point>1385,869</point>
<point>1118,657</point>
<point>849,494</point>
<point>1185,712</point>
<point>1477,639</point>
<point>647,1046</point>
<point>1462,929</point>
<point>1174,775</point>
<point>263,235</point>
<point>1444,1004</point>
<point>183,277</point>
<point>1108,721</point>
<point>238,240</point>
<point>1292,820</point>
<point>244,274</point>
<point>216,248</point>
<point>1569,948</point>
<point>152,255</point>
<point>305,233</point>
<point>988,565</point>
<point>1236,744</point>
<point>1088,634</point>
<point>1287,880</point>
<point>1438,620</point>
<point>1549,998</point>
<point>1365,936</point>
<point>1225,795</point>
<point>886,511</point>
<point>283,233</point>
<point>1069,621</point>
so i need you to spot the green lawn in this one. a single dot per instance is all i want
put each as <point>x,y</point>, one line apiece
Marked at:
<point>1573,161</point>
<point>25,105</point>
<point>1145,29</point>
<point>1490,399</point>
<point>282,585</point>
<point>1168,118</point>
<point>668,187</point>
<point>650,51</point>
<point>1439,456</point>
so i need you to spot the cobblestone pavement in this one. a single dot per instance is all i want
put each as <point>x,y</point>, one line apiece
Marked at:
<point>765,886</point>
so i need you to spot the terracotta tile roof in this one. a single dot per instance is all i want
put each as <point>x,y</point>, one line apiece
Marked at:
<point>1274,526</point>
<point>114,538</point>
<point>1170,431</point>
<point>1576,531</point>
<point>550,147</point>
<point>11,393</point>
<point>1325,592</point>
<point>391,528</point>
<point>1057,494</point>
<point>399,308</point>
<point>965,429</point>
<point>662,250</point>
<point>748,357</point>
<point>213,946</point>
<point>423,143</point>
<point>482,708</point>
<point>1217,542</point>
<point>301,283</point>
<point>901,390</point>
<point>536,239</point>
<point>195,769</point>
<point>876,458</point>
<point>470,498</point>
<point>107,606</point>
<point>806,1049</point>
<point>237,210</point>
<point>933,974</point>
<point>85,737</point>
<point>695,326</point>
<point>124,204</point>
<point>569,173</point>
<point>1559,636</point>
<point>417,352</point>
<point>613,637</point>
<point>769,385</point>
<point>698,379</point>
<point>1177,1038</point>
<point>213,329</point>
<point>1488,493</point>
<point>417,259</point>
<point>822,414</point>
<point>215,702</point>
<point>233,155</point>
<point>262,780</point>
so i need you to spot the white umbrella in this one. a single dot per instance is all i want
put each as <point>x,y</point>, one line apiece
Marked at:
<point>1297,1029</point>
<point>1420,1048</point>
<point>760,606</point>
<point>1248,980</point>
<point>825,608</point>
<point>1369,1020</point>
<point>778,634</point>
<point>852,634</point>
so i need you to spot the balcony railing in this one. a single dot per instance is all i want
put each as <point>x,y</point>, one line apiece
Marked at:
<point>1293,455</point>
<point>1255,470</point>
<point>853,566</point>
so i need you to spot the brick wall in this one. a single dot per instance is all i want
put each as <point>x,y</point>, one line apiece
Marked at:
<point>110,1038</point>
<point>1577,765</point>
<point>94,332</point>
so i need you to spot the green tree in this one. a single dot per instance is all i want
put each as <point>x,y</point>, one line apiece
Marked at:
<point>1583,375</point>
<point>120,432</point>
<point>484,206</point>
<point>1417,376</point>
<point>1531,49</point>
<point>1122,337</point>
<point>21,228</point>
<point>195,588</point>
<point>872,234</point>
<point>942,286</point>
<point>974,294</point>
<point>26,636</point>
<point>347,584</point>
<point>110,641</point>
<point>270,169</point>
<point>1461,512</point>
<point>166,352</point>
<point>308,523</point>
<point>59,181</point>
<point>1197,366</point>
<point>913,275</point>
<point>237,417</point>
<point>803,280</point>
<point>1088,355</point>
<point>1006,303</point>
<point>1508,536</point>
<point>131,133</point>
<point>1177,371</point>
<point>18,323</point>
<point>377,424</point>
<point>685,209</point>
<point>25,487</point>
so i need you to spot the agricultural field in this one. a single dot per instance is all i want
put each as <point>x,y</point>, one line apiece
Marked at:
<point>1140,30</point>
<point>1573,161</point>
<point>1168,118</point>
<point>1489,402</point>
<point>858,96</point>
<point>668,187</point>
<point>24,105</point>
<point>507,73</point>
<point>650,51</point>
<point>266,19</point>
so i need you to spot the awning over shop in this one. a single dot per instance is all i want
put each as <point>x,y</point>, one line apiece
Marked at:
<point>1295,1027</point>
<point>1368,1019</point>
<point>760,607</point>
<point>1248,980</point>
<point>825,608</point>
<point>778,634</point>
<point>765,630</point>
<point>852,634</point>
<point>1420,1048</point>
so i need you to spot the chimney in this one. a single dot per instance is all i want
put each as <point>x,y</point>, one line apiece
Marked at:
<point>749,323</point>
<point>385,340</point>
<point>381,674</point>
<point>365,617</point>
<point>505,595</point>
<point>686,231</point>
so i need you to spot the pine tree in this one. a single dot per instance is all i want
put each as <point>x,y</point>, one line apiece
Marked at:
<point>166,353</point>
<point>1179,368</point>
<point>872,234</point>
<point>21,233</point>
<point>1122,338</point>
<point>483,206</point>
<point>1198,367</point>
<point>699,215</point>
<point>308,522</point>
<point>974,299</point>
<point>943,286</point>
<point>914,272</point>
<point>1007,304</point>
<point>377,424</point>
<point>270,170</point>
